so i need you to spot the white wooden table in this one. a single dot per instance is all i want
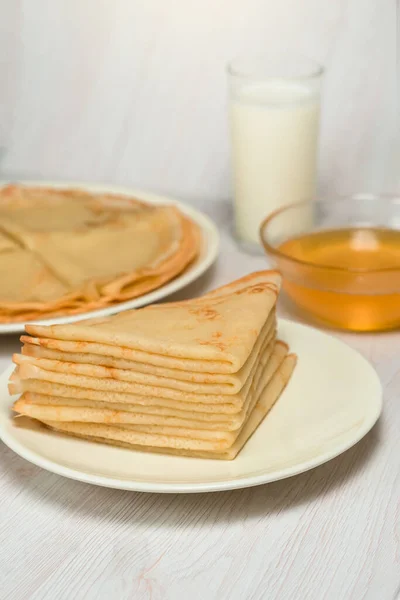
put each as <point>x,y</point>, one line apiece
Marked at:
<point>329,534</point>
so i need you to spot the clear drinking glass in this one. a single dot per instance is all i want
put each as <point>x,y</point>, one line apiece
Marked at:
<point>274,121</point>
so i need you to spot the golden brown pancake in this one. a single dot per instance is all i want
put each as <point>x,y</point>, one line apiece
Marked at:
<point>69,251</point>
<point>194,377</point>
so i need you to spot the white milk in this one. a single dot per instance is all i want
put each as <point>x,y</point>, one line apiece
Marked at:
<point>274,128</point>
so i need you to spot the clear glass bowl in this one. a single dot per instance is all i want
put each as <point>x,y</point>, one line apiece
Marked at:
<point>340,259</point>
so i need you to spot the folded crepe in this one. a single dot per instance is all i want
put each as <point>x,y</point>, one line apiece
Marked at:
<point>147,381</point>
<point>47,407</point>
<point>253,298</point>
<point>46,382</point>
<point>215,449</point>
<point>212,334</point>
<point>194,377</point>
<point>70,251</point>
<point>120,381</point>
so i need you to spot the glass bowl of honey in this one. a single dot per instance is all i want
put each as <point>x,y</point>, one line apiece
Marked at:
<point>340,259</point>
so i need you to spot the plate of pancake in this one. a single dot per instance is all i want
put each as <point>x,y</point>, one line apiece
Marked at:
<point>73,251</point>
<point>206,394</point>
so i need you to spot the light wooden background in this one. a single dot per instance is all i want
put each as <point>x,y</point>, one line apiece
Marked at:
<point>133,91</point>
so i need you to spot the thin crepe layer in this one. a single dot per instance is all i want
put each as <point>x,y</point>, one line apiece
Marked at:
<point>49,209</point>
<point>127,381</point>
<point>79,257</point>
<point>139,414</point>
<point>67,409</point>
<point>30,278</point>
<point>181,446</point>
<point>32,347</point>
<point>227,404</point>
<point>203,335</point>
<point>90,298</point>
<point>143,373</point>
<point>45,274</point>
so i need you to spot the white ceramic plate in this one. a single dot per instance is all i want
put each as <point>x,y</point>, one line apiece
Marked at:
<point>208,254</point>
<point>332,401</point>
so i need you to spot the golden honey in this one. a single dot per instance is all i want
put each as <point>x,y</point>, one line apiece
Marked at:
<point>346,278</point>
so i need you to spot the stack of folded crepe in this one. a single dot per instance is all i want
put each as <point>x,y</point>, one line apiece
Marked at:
<point>71,251</point>
<point>194,378</point>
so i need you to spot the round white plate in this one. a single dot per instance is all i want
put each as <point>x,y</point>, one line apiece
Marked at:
<point>331,402</point>
<point>208,253</point>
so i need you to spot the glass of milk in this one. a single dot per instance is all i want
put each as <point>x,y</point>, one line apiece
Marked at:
<point>274,122</point>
